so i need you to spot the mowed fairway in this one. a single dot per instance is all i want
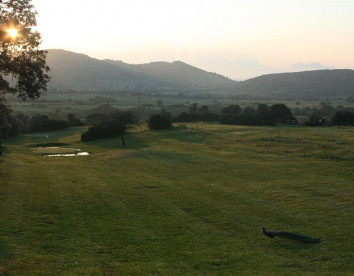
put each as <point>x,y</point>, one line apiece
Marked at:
<point>187,201</point>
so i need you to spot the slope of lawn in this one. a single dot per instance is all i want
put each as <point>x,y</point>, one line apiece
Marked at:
<point>186,201</point>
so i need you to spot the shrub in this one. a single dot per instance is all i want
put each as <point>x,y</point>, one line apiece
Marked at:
<point>342,118</point>
<point>40,123</point>
<point>117,123</point>
<point>159,121</point>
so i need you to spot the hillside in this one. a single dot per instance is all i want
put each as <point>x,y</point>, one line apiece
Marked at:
<point>80,72</point>
<point>321,83</point>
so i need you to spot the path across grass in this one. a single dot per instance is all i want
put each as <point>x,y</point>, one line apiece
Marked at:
<point>187,201</point>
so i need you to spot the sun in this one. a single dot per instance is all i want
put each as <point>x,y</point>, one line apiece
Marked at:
<point>13,33</point>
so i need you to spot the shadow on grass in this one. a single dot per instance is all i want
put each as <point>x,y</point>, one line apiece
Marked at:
<point>184,134</point>
<point>166,156</point>
<point>296,246</point>
<point>48,145</point>
<point>131,141</point>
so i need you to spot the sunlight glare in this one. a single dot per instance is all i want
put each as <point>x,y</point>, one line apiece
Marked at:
<point>13,33</point>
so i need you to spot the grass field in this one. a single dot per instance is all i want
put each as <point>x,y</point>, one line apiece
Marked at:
<point>187,201</point>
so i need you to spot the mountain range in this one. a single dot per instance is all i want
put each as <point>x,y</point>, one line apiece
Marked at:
<point>80,72</point>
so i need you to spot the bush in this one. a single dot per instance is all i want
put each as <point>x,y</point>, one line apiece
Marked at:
<point>159,121</point>
<point>242,119</point>
<point>117,123</point>
<point>315,121</point>
<point>342,118</point>
<point>102,130</point>
<point>39,123</point>
<point>281,112</point>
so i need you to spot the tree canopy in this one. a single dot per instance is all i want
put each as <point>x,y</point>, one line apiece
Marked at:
<point>117,123</point>
<point>20,56</point>
<point>21,60</point>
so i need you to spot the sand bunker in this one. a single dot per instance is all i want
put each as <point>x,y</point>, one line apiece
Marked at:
<point>55,151</point>
<point>67,154</point>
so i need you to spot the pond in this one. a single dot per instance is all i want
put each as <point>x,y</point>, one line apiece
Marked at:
<point>56,151</point>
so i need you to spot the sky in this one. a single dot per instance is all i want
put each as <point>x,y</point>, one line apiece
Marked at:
<point>238,39</point>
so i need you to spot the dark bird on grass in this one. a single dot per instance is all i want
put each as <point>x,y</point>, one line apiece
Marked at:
<point>288,235</point>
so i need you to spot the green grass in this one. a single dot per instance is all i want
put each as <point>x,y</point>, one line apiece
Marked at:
<point>186,201</point>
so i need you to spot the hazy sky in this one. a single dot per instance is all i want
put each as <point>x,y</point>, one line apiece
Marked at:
<point>239,39</point>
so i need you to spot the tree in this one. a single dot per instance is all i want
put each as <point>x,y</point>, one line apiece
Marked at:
<point>117,124</point>
<point>4,122</point>
<point>122,121</point>
<point>265,115</point>
<point>73,120</point>
<point>281,112</point>
<point>96,118</point>
<point>342,118</point>
<point>315,120</point>
<point>193,111</point>
<point>159,121</point>
<point>183,117</point>
<point>231,109</point>
<point>228,113</point>
<point>204,114</point>
<point>20,57</point>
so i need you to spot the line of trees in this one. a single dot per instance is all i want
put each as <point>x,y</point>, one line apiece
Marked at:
<point>235,115</point>
<point>20,124</point>
<point>261,115</point>
<point>105,121</point>
<point>338,118</point>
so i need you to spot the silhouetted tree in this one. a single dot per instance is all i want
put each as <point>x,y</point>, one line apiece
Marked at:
<point>193,111</point>
<point>249,111</point>
<point>183,117</point>
<point>117,124</point>
<point>159,121</point>
<point>206,115</point>
<point>122,120</point>
<point>4,122</point>
<point>73,120</point>
<point>231,109</point>
<point>96,118</point>
<point>202,113</point>
<point>40,123</point>
<point>264,114</point>
<point>342,118</point>
<point>228,113</point>
<point>315,120</point>
<point>281,112</point>
<point>245,119</point>
<point>20,56</point>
